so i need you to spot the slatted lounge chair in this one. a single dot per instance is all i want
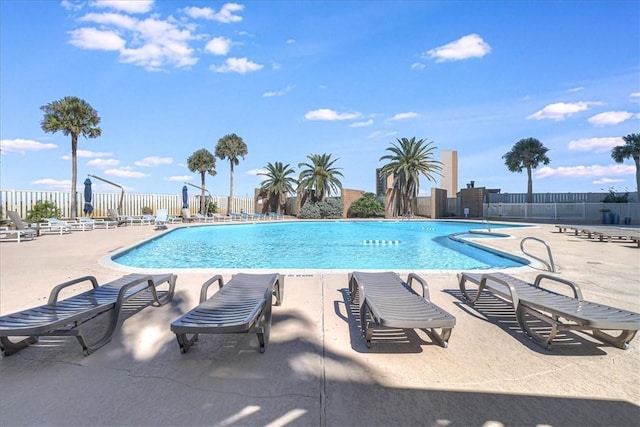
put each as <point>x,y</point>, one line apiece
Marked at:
<point>74,315</point>
<point>115,216</point>
<point>186,215</point>
<point>533,304</point>
<point>203,218</point>
<point>243,305</point>
<point>10,235</point>
<point>386,301</point>
<point>97,222</point>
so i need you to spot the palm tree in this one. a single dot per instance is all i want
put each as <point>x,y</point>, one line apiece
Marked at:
<point>319,178</point>
<point>526,154</point>
<point>73,116</point>
<point>202,161</point>
<point>408,159</point>
<point>631,149</point>
<point>231,147</point>
<point>277,184</point>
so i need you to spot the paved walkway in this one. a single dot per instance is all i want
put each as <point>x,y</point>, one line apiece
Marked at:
<point>316,370</point>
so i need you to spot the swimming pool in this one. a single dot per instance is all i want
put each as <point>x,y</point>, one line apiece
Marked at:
<point>332,245</point>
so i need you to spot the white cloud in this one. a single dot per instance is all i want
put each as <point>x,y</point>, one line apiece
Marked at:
<point>607,181</point>
<point>128,6</point>
<point>404,116</point>
<point>635,97</point>
<point>86,154</point>
<point>561,110</point>
<point>125,172</point>
<point>92,38</point>
<point>237,65</point>
<point>256,172</point>
<point>327,114</point>
<point>381,134</point>
<point>181,178</point>
<point>417,66</point>
<point>597,145</point>
<point>218,46</point>
<point>226,15</point>
<point>361,124</point>
<point>610,118</point>
<point>277,93</point>
<point>584,171</point>
<point>103,163</point>
<point>576,89</point>
<point>111,19</point>
<point>290,41</point>
<point>21,146</point>
<point>154,161</point>
<point>470,46</point>
<point>53,184</point>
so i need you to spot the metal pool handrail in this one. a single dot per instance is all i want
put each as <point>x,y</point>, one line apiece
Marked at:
<point>550,265</point>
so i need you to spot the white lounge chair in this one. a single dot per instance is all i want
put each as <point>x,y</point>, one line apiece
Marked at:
<point>97,222</point>
<point>203,218</point>
<point>21,232</point>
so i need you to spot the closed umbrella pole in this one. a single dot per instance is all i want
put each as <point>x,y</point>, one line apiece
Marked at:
<point>88,197</point>
<point>185,197</point>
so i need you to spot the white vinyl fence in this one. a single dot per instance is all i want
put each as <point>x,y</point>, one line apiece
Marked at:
<point>22,201</point>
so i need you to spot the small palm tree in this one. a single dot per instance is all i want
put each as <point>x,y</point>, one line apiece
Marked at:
<point>526,154</point>
<point>73,116</point>
<point>231,147</point>
<point>409,159</point>
<point>277,184</point>
<point>631,149</point>
<point>202,161</point>
<point>318,179</point>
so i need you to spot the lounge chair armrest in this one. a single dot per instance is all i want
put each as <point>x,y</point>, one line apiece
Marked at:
<point>53,297</point>
<point>205,286</point>
<point>512,290</point>
<point>577,293</point>
<point>423,282</point>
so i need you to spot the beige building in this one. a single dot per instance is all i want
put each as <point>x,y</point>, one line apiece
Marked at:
<point>449,178</point>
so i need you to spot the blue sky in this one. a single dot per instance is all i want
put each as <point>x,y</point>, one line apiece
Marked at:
<point>294,78</point>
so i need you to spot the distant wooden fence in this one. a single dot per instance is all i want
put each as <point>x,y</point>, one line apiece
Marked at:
<point>22,201</point>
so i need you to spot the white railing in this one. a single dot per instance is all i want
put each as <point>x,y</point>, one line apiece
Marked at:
<point>22,201</point>
<point>563,212</point>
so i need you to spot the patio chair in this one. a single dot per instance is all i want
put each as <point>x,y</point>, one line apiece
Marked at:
<point>386,301</point>
<point>115,216</point>
<point>97,222</point>
<point>203,218</point>
<point>534,304</point>
<point>243,305</point>
<point>21,232</point>
<point>75,315</point>
<point>161,219</point>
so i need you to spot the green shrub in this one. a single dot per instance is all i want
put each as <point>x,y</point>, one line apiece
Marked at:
<point>212,207</point>
<point>614,197</point>
<point>366,207</point>
<point>43,209</point>
<point>326,209</point>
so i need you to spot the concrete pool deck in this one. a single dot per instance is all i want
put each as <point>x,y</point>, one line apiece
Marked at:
<point>317,370</point>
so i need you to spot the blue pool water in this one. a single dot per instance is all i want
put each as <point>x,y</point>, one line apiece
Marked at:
<point>335,245</point>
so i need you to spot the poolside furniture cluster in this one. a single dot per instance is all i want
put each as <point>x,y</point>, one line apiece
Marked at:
<point>603,233</point>
<point>74,316</point>
<point>533,304</point>
<point>384,301</point>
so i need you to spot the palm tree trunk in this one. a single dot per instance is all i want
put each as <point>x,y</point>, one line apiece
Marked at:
<point>74,175</point>
<point>230,209</point>
<point>529,186</point>
<point>203,208</point>
<point>636,159</point>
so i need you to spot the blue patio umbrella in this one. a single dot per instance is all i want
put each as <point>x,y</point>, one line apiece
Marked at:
<point>88,196</point>
<point>185,198</point>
